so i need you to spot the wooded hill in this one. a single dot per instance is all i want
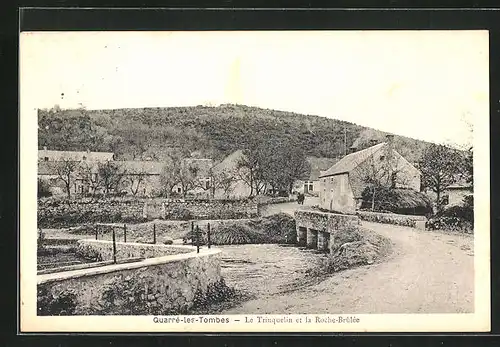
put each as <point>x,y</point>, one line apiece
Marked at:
<point>208,131</point>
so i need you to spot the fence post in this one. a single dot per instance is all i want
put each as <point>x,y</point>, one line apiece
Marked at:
<point>96,231</point>
<point>114,246</point>
<point>208,235</point>
<point>192,233</point>
<point>197,239</point>
<point>154,233</point>
<point>125,233</point>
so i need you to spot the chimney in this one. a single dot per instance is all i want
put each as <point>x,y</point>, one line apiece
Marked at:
<point>88,150</point>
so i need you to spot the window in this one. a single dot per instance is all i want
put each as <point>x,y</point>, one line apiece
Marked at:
<point>310,186</point>
<point>382,157</point>
<point>84,158</point>
<point>207,184</point>
<point>179,189</point>
<point>46,159</point>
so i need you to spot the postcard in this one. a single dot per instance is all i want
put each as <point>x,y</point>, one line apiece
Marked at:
<point>254,181</point>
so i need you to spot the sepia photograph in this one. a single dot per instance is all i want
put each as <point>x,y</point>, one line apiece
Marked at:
<point>254,181</point>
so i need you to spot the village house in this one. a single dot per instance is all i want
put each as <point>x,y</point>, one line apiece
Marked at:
<point>236,187</point>
<point>139,177</point>
<point>343,184</point>
<point>50,155</point>
<point>310,184</point>
<point>454,194</point>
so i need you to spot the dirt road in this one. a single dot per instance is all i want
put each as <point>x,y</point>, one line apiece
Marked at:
<point>427,273</point>
<point>288,207</point>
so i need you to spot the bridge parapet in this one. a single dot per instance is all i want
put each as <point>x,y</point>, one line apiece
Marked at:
<point>316,229</point>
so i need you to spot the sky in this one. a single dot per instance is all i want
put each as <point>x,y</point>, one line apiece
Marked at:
<point>429,85</point>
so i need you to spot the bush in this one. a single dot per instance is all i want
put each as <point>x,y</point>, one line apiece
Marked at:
<point>454,218</point>
<point>43,189</point>
<point>356,247</point>
<point>397,200</point>
<point>216,293</point>
<point>279,229</point>
<point>179,213</point>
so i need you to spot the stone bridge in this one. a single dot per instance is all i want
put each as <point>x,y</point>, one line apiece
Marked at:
<point>316,229</point>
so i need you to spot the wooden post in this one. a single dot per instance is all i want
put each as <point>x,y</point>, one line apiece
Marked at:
<point>197,239</point>
<point>96,231</point>
<point>125,233</point>
<point>208,235</point>
<point>154,233</point>
<point>114,246</point>
<point>193,236</point>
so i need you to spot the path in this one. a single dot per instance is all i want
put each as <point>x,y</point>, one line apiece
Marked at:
<point>427,273</point>
<point>288,207</point>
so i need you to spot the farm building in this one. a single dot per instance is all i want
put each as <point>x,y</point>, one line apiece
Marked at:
<point>342,185</point>
<point>310,184</point>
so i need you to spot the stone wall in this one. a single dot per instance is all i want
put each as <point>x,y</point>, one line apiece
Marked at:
<point>199,209</point>
<point>156,286</point>
<point>324,220</point>
<point>393,218</point>
<point>103,250</point>
<point>56,213</point>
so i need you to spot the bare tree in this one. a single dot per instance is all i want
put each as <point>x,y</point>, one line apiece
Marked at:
<point>378,174</point>
<point>188,176</point>
<point>221,180</point>
<point>111,174</point>
<point>134,180</point>
<point>169,176</point>
<point>441,166</point>
<point>66,170</point>
<point>91,177</point>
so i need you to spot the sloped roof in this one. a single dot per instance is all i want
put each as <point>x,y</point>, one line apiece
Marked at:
<point>148,167</point>
<point>351,161</point>
<point>203,165</point>
<point>319,164</point>
<point>74,155</point>
<point>230,162</point>
<point>47,168</point>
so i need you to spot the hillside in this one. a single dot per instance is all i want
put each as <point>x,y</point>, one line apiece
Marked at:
<point>210,131</point>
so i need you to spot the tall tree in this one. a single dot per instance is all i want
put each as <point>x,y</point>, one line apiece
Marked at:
<point>111,174</point>
<point>66,171</point>
<point>378,173</point>
<point>134,180</point>
<point>91,177</point>
<point>440,166</point>
<point>188,176</point>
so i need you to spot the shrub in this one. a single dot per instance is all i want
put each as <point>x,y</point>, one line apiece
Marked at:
<point>454,218</point>
<point>397,200</point>
<point>356,247</point>
<point>179,213</point>
<point>63,304</point>
<point>279,227</point>
<point>216,293</point>
<point>43,189</point>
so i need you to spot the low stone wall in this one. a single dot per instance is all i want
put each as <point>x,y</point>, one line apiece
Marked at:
<point>164,285</point>
<point>57,213</point>
<point>393,218</point>
<point>199,209</point>
<point>103,250</point>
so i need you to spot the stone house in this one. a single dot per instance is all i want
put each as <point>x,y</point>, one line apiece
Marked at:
<point>50,155</point>
<point>343,183</point>
<point>237,188</point>
<point>454,194</point>
<point>310,184</point>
